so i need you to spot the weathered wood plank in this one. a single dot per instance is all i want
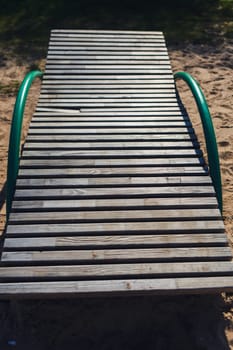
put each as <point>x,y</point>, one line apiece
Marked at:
<point>65,91</point>
<point>110,145</point>
<point>113,153</point>
<point>201,226</point>
<point>118,270</point>
<point>179,202</point>
<point>165,96</point>
<point>110,60</point>
<point>109,113</point>
<point>98,45</point>
<point>171,107</point>
<point>110,181</point>
<point>55,163</point>
<point>115,191</point>
<point>117,287</point>
<point>106,35</point>
<point>117,78</point>
<point>149,254</point>
<point>107,65</point>
<point>113,39</point>
<point>164,105</point>
<point>82,117</point>
<point>104,31</point>
<point>94,89</point>
<point>113,131</point>
<point>113,124</point>
<point>114,137</point>
<point>130,52</point>
<point>126,71</point>
<point>114,171</point>
<point>115,241</point>
<point>104,85</point>
<point>125,215</point>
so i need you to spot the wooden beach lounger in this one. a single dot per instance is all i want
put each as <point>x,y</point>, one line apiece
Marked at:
<point>112,196</point>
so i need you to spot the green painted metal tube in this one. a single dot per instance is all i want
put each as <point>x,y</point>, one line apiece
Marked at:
<point>210,139</point>
<point>15,135</point>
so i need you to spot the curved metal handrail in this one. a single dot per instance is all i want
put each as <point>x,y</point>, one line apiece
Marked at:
<point>15,135</point>
<point>210,138</point>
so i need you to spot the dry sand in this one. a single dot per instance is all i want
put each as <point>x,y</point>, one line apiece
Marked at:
<point>183,322</point>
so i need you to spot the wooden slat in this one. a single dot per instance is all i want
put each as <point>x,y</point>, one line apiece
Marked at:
<point>113,153</point>
<point>155,109</point>
<point>107,65</point>
<point>168,107</point>
<point>117,78</point>
<point>115,60</point>
<point>116,270</point>
<point>66,90</point>
<point>93,89</point>
<point>115,137</point>
<point>92,53</point>
<point>121,191</point>
<point>143,130</point>
<point>111,145</point>
<point>104,31</point>
<point>115,35</point>
<point>110,181</point>
<point>135,215</point>
<point>113,228</point>
<point>113,124</point>
<point>54,163</point>
<point>59,118</point>
<point>113,39</point>
<point>98,45</point>
<point>179,202</point>
<point>118,287</point>
<point>149,254</point>
<point>165,96</point>
<point>115,241</point>
<point>109,113</point>
<point>120,171</point>
<point>104,85</point>
<point>126,71</point>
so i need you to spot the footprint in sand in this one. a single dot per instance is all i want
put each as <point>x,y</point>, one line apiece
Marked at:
<point>224,144</point>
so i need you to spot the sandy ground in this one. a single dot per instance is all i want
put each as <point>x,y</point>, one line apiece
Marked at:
<point>182,322</point>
